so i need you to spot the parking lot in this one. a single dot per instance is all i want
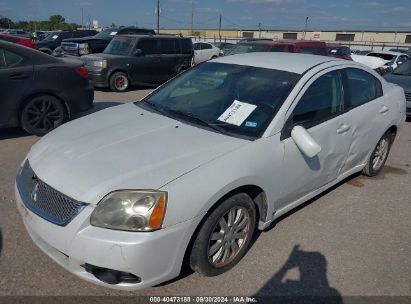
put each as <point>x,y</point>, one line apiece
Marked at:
<point>352,240</point>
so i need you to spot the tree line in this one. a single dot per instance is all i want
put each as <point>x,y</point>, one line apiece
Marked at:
<point>55,22</point>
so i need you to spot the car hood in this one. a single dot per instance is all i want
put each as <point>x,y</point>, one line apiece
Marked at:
<point>401,80</point>
<point>124,147</point>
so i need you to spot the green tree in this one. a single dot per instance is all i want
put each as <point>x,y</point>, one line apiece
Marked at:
<point>6,22</point>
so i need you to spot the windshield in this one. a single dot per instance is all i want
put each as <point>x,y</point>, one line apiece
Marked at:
<point>387,57</point>
<point>51,36</point>
<point>403,69</point>
<point>107,33</point>
<point>119,46</point>
<point>238,100</point>
<point>247,48</point>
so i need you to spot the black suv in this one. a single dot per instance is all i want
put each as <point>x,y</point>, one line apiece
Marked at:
<point>139,60</point>
<point>97,43</point>
<point>54,39</point>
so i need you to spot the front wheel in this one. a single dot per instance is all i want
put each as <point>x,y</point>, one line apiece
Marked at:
<point>119,82</point>
<point>225,236</point>
<point>379,155</point>
<point>42,114</point>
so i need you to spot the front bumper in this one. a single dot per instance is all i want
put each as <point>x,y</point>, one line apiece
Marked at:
<point>155,257</point>
<point>99,77</point>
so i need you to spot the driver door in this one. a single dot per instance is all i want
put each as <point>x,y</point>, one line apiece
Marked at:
<point>320,110</point>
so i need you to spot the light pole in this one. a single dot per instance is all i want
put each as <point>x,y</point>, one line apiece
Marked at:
<point>158,16</point>
<point>305,28</point>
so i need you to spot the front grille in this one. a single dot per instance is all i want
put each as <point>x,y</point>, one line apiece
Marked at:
<point>70,48</point>
<point>45,201</point>
<point>408,96</point>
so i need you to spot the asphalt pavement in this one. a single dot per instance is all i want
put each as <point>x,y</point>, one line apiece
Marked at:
<point>353,240</point>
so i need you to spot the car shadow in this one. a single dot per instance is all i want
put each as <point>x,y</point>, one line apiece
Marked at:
<point>310,285</point>
<point>98,106</point>
<point>10,133</point>
<point>130,89</point>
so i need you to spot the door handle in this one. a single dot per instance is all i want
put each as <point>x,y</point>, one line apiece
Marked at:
<point>384,109</point>
<point>343,129</point>
<point>19,76</point>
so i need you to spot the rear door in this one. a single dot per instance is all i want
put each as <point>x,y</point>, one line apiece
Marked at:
<point>370,114</point>
<point>16,74</point>
<point>170,52</point>
<point>146,66</point>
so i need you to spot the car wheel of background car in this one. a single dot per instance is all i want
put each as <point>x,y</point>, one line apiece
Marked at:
<point>214,57</point>
<point>119,82</point>
<point>225,236</point>
<point>379,156</point>
<point>42,114</point>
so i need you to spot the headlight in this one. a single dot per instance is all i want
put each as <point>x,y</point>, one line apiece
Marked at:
<point>83,49</point>
<point>131,210</point>
<point>100,63</point>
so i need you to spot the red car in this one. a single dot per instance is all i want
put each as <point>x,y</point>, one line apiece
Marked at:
<point>19,40</point>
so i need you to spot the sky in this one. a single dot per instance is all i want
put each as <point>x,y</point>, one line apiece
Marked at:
<point>236,14</point>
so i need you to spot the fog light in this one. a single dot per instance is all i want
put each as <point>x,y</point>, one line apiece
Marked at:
<point>111,276</point>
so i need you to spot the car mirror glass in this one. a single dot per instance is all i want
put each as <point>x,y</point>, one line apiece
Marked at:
<point>305,142</point>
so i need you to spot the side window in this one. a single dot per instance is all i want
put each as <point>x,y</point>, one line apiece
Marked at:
<point>186,46</point>
<point>11,59</point>
<point>206,46</point>
<point>313,50</point>
<point>322,101</point>
<point>168,46</point>
<point>2,61</point>
<point>277,49</point>
<point>362,87</point>
<point>148,46</point>
<point>197,46</point>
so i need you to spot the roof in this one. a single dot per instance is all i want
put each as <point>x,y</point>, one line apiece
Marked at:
<point>290,62</point>
<point>387,52</point>
<point>284,41</point>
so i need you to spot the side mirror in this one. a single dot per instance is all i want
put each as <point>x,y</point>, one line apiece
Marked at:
<point>305,142</point>
<point>138,52</point>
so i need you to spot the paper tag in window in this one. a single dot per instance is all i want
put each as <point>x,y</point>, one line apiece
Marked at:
<point>113,33</point>
<point>237,113</point>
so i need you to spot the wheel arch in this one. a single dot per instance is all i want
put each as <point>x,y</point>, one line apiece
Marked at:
<point>259,198</point>
<point>27,98</point>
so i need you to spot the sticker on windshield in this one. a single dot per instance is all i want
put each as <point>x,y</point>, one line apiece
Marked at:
<point>237,113</point>
<point>54,37</point>
<point>113,33</point>
<point>251,124</point>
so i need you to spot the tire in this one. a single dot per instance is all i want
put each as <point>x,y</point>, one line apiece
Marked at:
<point>42,114</point>
<point>213,256</point>
<point>119,82</point>
<point>379,155</point>
<point>214,57</point>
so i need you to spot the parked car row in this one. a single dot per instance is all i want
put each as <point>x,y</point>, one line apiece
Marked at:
<point>40,92</point>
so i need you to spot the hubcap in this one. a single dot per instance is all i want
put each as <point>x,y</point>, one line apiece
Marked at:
<point>43,115</point>
<point>229,236</point>
<point>380,154</point>
<point>121,82</point>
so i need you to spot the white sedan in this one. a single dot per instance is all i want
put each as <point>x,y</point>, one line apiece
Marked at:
<point>120,197</point>
<point>204,51</point>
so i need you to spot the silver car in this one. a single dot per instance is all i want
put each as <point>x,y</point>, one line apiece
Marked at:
<point>120,197</point>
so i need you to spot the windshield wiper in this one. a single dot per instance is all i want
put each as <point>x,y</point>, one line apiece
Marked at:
<point>198,119</point>
<point>157,108</point>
